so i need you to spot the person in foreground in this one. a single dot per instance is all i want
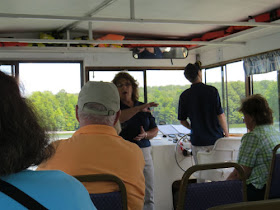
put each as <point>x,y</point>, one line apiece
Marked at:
<point>202,106</point>
<point>24,143</point>
<point>138,126</point>
<point>255,152</point>
<point>96,148</point>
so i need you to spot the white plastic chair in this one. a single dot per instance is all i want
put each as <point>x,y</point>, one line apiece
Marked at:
<point>225,150</point>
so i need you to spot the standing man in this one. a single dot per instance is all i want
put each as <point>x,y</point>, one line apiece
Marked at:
<point>96,148</point>
<point>200,104</point>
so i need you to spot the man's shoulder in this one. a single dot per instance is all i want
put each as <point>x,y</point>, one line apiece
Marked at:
<point>131,149</point>
<point>185,92</point>
<point>60,142</point>
<point>210,87</point>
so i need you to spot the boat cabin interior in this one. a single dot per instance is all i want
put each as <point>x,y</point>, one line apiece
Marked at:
<point>237,43</point>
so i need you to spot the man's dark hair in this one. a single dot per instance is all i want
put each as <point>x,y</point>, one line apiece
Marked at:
<point>23,142</point>
<point>257,107</point>
<point>191,71</point>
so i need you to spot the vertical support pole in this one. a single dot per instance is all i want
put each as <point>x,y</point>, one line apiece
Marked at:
<point>132,10</point>
<point>205,76</point>
<point>223,87</point>
<point>227,105</point>
<point>145,86</point>
<point>278,82</point>
<point>68,37</point>
<point>90,30</point>
<point>15,70</point>
<point>249,85</point>
<point>83,75</point>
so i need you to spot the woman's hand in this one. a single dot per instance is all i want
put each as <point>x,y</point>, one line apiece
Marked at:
<point>145,107</point>
<point>126,114</point>
<point>141,135</point>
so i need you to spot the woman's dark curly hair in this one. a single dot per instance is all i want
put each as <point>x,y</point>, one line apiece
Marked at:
<point>134,83</point>
<point>23,142</point>
<point>257,107</point>
<point>191,71</point>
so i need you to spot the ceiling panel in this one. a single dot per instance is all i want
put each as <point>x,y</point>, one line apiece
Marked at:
<point>214,10</point>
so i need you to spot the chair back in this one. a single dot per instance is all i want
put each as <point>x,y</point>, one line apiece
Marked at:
<point>208,194</point>
<point>107,201</point>
<point>226,149</point>
<point>273,180</point>
<point>251,205</point>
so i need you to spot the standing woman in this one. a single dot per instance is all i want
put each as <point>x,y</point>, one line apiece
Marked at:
<point>138,126</point>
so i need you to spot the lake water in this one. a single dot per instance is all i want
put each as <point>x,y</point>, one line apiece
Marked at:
<point>61,135</point>
<point>237,130</point>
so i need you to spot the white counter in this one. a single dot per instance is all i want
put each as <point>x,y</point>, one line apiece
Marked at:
<point>166,171</point>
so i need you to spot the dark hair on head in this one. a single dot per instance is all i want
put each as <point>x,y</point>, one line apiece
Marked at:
<point>257,107</point>
<point>134,83</point>
<point>191,71</point>
<point>23,142</point>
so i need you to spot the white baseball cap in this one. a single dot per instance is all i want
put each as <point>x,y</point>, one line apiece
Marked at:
<point>105,93</point>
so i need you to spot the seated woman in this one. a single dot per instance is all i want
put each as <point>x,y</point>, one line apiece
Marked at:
<point>24,143</point>
<point>255,152</point>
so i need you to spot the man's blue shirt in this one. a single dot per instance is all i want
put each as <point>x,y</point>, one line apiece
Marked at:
<point>201,104</point>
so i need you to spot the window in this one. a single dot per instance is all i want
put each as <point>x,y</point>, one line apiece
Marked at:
<point>213,77</point>
<point>230,83</point>
<point>51,77</point>
<point>235,92</point>
<point>267,85</point>
<point>53,88</point>
<point>8,69</point>
<point>165,88</point>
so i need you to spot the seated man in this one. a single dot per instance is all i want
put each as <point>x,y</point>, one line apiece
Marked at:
<point>96,148</point>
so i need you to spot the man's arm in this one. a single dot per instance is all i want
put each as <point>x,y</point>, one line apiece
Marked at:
<point>185,123</point>
<point>126,114</point>
<point>223,123</point>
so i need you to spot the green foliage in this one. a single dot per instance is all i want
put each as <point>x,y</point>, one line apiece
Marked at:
<point>236,92</point>
<point>167,97</point>
<point>269,90</point>
<point>58,111</point>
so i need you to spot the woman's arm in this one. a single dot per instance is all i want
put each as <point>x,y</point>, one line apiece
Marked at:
<point>126,114</point>
<point>146,134</point>
<point>235,175</point>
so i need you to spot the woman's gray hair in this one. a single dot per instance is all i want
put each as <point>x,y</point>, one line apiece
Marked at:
<point>88,118</point>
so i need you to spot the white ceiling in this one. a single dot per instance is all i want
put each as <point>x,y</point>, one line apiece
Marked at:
<point>199,10</point>
<point>124,17</point>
